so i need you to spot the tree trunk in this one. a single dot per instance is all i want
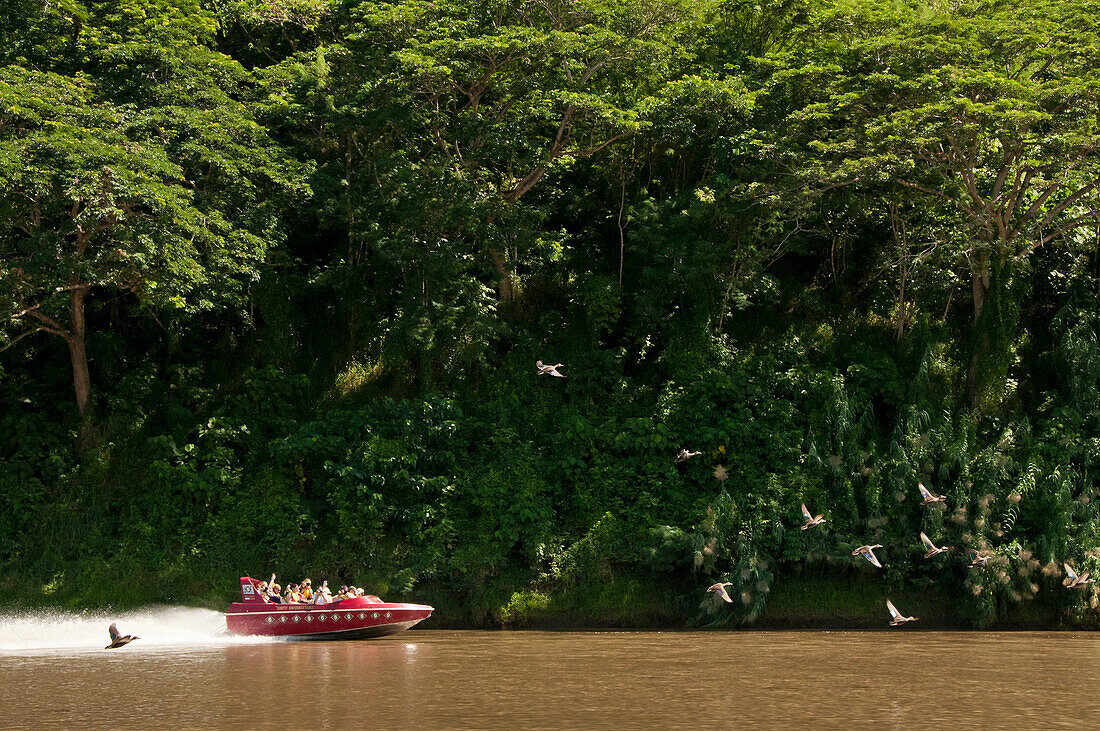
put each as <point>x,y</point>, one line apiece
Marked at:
<point>902,242</point>
<point>505,288</point>
<point>979,284</point>
<point>82,382</point>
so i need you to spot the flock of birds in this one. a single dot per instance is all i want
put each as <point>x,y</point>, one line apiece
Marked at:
<point>978,559</point>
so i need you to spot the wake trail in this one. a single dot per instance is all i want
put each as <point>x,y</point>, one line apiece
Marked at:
<point>54,629</point>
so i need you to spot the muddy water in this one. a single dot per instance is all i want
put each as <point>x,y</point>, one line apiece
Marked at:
<point>435,679</point>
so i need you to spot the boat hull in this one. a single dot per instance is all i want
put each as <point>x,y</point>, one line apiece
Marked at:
<point>350,619</point>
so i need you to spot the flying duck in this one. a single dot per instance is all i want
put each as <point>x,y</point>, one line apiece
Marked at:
<point>1077,581</point>
<point>929,498</point>
<point>978,559</point>
<point>896,616</point>
<point>118,640</point>
<point>683,455</point>
<point>868,552</point>
<point>720,590</point>
<point>811,520</point>
<point>549,370</point>
<point>932,550</point>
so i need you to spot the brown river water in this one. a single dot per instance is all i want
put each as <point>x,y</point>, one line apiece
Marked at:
<point>54,673</point>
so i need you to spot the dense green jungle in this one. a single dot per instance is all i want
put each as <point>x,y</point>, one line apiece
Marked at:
<point>275,274</point>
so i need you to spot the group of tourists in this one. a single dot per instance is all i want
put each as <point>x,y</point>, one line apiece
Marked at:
<point>304,593</point>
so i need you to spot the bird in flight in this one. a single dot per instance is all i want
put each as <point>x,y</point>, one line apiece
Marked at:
<point>978,559</point>
<point>549,370</point>
<point>896,617</point>
<point>929,498</point>
<point>868,552</point>
<point>118,640</point>
<point>811,520</point>
<point>928,544</point>
<point>683,455</point>
<point>720,590</point>
<point>1077,581</point>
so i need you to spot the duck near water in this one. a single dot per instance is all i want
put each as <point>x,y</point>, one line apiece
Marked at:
<point>1077,581</point>
<point>118,640</point>
<point>720,590</point>
<point>896,616</point>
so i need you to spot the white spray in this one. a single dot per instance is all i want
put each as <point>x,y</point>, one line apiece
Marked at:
<point>52,629</point>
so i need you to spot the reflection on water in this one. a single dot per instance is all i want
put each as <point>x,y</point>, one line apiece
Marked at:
<point>435,679</point>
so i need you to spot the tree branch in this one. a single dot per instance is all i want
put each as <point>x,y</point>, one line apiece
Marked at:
<point>925,189</point>
<point>1058,209</point>
<point>1067,226</point>
<point>25,334</point>
<point>51,324</point>
<point>1045,196</point>
<point>530,179</point>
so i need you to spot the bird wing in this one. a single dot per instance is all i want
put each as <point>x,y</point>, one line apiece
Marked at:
<point>538,364</point>
<point>927,543</point>
<point>869,554</point>
<point>806,513</point>
<point>924,491</point>
<point>113,630</point>
<point>1070,572</point>
<point>722,593</point>
<point>893,610</point>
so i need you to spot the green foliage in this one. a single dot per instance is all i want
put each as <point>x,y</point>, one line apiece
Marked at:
<point>308,253</point>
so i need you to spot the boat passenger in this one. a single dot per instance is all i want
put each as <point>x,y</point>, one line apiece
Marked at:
<point>291,595</point>
<point>261,591</point>
<point>267,589</point>
<point>323,595</point>
<point>306,590</point>
<point>276,594</point>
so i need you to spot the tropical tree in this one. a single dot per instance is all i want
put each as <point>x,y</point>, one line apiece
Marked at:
<point>150,180</point>
<point>987,110</point>
<point>501,95</point>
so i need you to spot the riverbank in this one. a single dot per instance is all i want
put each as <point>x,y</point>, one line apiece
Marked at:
<point>832,603</point>
<point>800,602</point>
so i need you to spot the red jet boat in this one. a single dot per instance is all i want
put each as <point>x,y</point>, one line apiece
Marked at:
<point>348,619</point>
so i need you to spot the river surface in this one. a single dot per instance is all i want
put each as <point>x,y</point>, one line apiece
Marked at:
<point>182,674</point>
